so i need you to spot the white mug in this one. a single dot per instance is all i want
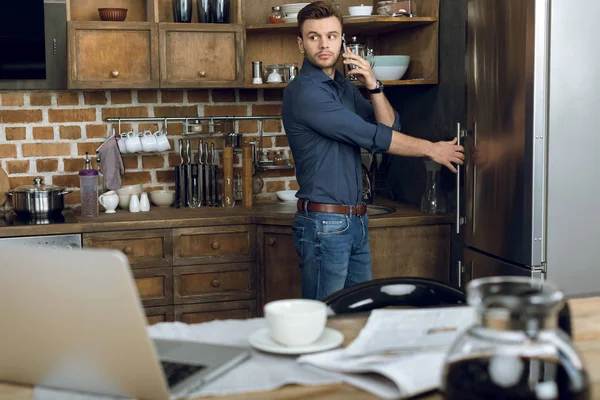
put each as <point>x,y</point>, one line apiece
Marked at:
<point>110,201</point>
<point>149,142</point>
<point>122,143</point>
<point>295,322</point>
<point>162,141</point>
<point>144,202</point>
<point>134,144</point>
<point>134,203</point>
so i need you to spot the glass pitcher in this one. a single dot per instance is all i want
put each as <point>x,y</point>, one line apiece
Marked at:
<point>433,200</point>
<point>360,49</point>
<point>515,350</point>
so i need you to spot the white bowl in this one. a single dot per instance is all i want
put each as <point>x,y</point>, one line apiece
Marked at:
<point>124,201</point>
<point>162,198</point>
<point>292,15</point>
<point>287,195</point>
<point>390,68</point>
<point>295,322</point>
<point>288,20</point>
<point>293,7</point>
<point>130,189</point>
<point>360,10</point>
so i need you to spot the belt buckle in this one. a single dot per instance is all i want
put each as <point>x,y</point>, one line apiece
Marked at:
<point>305,206</point>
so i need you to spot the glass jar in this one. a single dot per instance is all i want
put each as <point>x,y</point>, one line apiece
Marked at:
<point>276,16</point>
<point>433,200</point>
<point>88,185</point>
<point>515,350</point>
<point>278,158</point>
<point>274,73</point>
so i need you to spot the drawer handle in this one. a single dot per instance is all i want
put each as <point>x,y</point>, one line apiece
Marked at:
<point>128,250</point>
<point>215,283</point>
<point>202,74</point>
<point>271,241</point>
<point>215,245</point>
<point>114,73</point>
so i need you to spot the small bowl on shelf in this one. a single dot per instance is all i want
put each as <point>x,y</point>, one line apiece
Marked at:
<point>286,195</point>
<point>390,68</point>
<point>360,10</point>
<point>112,14</point>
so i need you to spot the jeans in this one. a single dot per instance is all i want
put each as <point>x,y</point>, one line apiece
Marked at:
<point>334,251</point>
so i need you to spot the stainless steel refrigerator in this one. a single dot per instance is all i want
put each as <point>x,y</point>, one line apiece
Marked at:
<point>529,193</point>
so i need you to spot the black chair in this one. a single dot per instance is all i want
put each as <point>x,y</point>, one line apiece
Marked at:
<point>400,291</point>
<point>407,292</point>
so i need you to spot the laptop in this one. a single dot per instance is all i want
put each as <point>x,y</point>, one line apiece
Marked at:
<point>73,320</point>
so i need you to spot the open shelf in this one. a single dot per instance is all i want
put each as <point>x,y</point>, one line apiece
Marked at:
<point>364,25</point>
<point>274,167</point>
<point>401,82</point>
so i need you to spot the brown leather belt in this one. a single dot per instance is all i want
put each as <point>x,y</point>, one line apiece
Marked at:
<point>331,208</point>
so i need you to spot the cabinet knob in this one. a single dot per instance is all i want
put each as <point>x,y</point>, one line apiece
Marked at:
<point>271,241</point>
<point>202,74</point>
<point>215,283</point>
<point>114,74</point>
<point>128,250</point>
<point>215,245</point>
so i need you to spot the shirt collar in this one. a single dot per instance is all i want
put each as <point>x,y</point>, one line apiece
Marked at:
<point>317,73</point>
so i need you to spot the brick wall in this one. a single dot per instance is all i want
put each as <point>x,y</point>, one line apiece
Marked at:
<point>47,133</point>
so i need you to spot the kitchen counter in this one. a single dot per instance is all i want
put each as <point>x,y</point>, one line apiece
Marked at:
<point>280,213</point>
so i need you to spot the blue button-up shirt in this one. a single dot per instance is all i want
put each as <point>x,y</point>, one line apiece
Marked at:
<point>327,122</point>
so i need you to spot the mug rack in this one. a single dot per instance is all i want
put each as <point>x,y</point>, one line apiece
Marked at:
<point>191,125</point>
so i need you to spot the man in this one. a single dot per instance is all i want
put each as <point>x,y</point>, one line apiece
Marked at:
<point>328,121</point>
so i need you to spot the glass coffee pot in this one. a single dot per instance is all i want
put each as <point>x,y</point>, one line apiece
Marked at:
<point>433,200</point>
<point>515,350</point>
<point>362,50</point>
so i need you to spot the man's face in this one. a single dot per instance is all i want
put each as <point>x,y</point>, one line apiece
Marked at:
<point>321,41</point>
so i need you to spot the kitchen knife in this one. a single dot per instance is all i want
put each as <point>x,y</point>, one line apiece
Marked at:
<point>209,176</point>
<point>190,186</point>
<point>195,197</point>
<point>216,175</point>
<point>202,172</point>
<point>182,180</point>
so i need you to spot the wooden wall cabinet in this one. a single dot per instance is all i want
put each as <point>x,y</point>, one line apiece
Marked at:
<point>200,55</point>
<point>112,55</point>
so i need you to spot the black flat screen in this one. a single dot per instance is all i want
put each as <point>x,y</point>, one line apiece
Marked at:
<point>22,42</point>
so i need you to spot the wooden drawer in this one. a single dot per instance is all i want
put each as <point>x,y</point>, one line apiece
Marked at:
<point>113,55</point>
<point>154,315</point>
<point>155,286</point>
<point>144,249</point>
<point>196,313</point>
<point>220,282</point>
<point>201,55</point>
<point>214,244</point>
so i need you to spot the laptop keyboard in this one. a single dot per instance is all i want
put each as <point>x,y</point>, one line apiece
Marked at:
<point>177,372</point>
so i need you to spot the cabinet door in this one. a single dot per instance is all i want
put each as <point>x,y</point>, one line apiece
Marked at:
<point>154,315</point>
<point>216,282</point>
<point>415,251</point>
<point>214,244</point>
<point>197,313</point>
<point>279,264</point>
<point>203,55</point>
<point>144,249</point>
<point>154,285</point>
<point>113,55</point>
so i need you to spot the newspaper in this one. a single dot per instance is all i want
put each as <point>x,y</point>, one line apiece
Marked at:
<point>399,353</point>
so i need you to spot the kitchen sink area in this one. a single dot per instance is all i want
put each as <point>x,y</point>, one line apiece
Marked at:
<point>289,207</point>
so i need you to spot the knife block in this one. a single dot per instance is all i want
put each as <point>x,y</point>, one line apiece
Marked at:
<point>247,176</point>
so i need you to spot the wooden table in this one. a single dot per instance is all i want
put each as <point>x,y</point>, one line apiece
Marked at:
<point>586,332</point>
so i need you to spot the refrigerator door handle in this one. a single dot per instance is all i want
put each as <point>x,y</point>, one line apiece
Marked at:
<point>460,268</point>
<point>460,133</point>
<point>474,180</point>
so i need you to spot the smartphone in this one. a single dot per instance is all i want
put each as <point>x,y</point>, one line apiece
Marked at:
<point>344,42</point>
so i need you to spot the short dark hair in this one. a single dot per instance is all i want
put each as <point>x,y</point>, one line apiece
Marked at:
<point>318,10</point>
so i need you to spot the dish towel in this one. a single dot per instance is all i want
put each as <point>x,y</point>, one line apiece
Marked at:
<point>111,164</point>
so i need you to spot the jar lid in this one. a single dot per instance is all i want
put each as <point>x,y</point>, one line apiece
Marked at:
<point>88,172</point>
<point>37,187</point>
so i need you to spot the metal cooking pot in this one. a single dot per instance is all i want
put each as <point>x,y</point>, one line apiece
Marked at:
<point>38,199</point>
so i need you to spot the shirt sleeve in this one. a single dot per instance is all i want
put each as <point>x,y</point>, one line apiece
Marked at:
<point>318,110</point>
<point>365,109</point>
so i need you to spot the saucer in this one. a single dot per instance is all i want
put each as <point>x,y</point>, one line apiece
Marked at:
<point>261,340</point>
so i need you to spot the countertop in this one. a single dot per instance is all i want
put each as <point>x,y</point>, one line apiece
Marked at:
<point>279,213</point>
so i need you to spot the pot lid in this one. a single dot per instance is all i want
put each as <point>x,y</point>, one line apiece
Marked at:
<point>37,187</point>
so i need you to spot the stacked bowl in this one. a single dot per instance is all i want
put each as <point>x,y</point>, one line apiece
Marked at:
<point>291,11</point>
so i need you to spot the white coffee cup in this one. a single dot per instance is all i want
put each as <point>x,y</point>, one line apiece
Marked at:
<point>295,322</point>
<point>110,201</point>
<point>134,143</point>
<point>122,143</point>
<point>162,141</point>
<point>149,141</point>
